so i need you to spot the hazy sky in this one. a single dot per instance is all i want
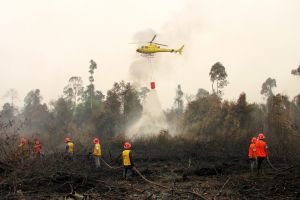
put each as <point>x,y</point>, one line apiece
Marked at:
<point>44,43</point>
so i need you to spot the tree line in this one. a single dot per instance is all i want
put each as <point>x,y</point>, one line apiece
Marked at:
<point>83,112</point>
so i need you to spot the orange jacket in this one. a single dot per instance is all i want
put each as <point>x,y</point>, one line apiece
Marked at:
<point>261,148</point>
<point>252,151</point>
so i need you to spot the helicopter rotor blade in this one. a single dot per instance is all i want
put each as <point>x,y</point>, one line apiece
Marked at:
<point>160,44</point>
<point>153,38</point>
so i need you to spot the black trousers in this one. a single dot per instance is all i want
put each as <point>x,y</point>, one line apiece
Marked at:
<point>253,163</point>
<point>259,163</point>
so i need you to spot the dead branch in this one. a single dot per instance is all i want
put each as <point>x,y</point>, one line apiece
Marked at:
<point>220,191</point>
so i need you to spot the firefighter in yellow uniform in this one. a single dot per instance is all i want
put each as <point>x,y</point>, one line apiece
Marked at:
<point>97,152</point>
<point>69,148</point>
<point>127,160</point>
<point>23,149</point>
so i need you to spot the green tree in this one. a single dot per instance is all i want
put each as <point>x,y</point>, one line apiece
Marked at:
<point>12,94</point>
<point>7,111</point>
<point>279,116</point>
<point>32,99</point>
<point>91,88</point>
<point>62,114</point>
<point>281,125</point>
<point>132,108</point>
<point>74,89</point>
<point>296,111</point>
<point>35,113</point>
<point>267,87</point>
<point>99,96</point>
<point>230,125</point>
<point>110,122</point>
<point>122,107</point>
<point>218,74</point>
<point>143,93</point>
<point>203,117</point>
<point>242,109</point>
<point>296,72</point>
<point>202,93</point>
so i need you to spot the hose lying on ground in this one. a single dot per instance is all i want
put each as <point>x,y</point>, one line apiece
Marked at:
<point>271,164</point>
<point>137,171</point>
<point>111,167</point>
<point>153,183</point>
<point>157,184</point>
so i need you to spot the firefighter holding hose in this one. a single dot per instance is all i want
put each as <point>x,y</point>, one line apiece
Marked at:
<point>261,151</point>
<point>127,160</point>
<point>69,148</point>
<point>97,152</point>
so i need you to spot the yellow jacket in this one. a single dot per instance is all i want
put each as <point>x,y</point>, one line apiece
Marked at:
<point>126,158</point>
<point>97,150</point>
<point>69,147</point>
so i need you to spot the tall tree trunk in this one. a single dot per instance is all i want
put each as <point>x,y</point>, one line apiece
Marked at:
<point>217,87</point>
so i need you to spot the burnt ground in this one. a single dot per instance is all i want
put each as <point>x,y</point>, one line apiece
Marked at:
<point>54,177</point>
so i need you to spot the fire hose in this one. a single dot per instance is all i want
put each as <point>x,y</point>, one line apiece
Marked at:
<point>109,166</point>
<point>151,182</point>
<point>138,172</point>
<point>157,184</point>
<point>269,162</point>
<point>145,179</point>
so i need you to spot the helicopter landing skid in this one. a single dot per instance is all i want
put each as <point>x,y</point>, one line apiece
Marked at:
<point>148,55</point>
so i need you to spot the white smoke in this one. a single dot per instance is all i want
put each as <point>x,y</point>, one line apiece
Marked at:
<point>152,121</point>
<point>141,72</point>
<point>175,32</point>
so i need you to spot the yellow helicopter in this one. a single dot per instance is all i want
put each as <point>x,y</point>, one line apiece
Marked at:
<point>153,47</point>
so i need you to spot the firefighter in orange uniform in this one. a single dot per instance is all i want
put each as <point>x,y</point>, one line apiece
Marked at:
<point>37,148</point>
<point>127,160</point>
<point>261,151</point>
<point>69,148</point>
<point>252,154</point>
<point>97,152</point>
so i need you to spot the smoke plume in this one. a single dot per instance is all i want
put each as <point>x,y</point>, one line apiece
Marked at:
<point>152,121</point>
<point>174,33</point>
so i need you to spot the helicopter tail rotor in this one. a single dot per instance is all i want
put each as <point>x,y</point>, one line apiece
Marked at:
<point>180,49</point>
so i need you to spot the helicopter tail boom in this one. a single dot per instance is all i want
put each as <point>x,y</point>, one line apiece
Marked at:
<point>180,49</point>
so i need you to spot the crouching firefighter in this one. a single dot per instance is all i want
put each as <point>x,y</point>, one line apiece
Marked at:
<point>127,160</point>
<point>252,154</point>
<point>97,152</point>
